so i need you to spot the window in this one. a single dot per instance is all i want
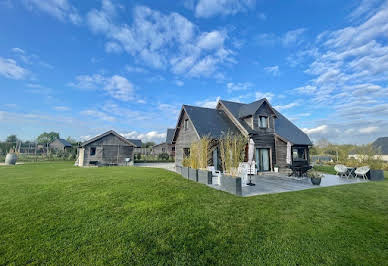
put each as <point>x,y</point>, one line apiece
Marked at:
<point>299,154</point>
<point>92,151</point>
<point>263,121</point>
<point>186,124</point>
<point>186,152</point>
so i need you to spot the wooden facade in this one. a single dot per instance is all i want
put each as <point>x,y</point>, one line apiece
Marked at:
<point>107,149</point>
<point>258,125</point>
<point>186,135</point>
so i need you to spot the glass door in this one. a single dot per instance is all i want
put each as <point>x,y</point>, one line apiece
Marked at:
<point>262,160</point>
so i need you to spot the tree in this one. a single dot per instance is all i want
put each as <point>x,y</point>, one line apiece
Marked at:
<point>12,139</point>
<point>148,144</point>
<point>72,141</point>
<point>46,138</point>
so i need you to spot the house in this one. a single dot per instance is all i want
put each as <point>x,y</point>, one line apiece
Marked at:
<point>381,147</point>
<point>60,145</point>
<point>273,134</point>
<point>138,143</point>
<point>109,148</point>
<point>167,146</point>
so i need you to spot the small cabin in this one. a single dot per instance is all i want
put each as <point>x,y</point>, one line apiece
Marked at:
<point>108,149</point>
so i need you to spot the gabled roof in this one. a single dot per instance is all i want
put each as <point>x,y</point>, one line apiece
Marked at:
<point>160,144</point>
<point>170,135</point>
<point>283,127</point>
<point>209,122</point>
<point>382,145</point>
<point>64,142</point>
<point>106,134</point>
<point>250,109</point>
<point>138,143</point>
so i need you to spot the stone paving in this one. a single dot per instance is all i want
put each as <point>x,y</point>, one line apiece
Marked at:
<point>270,184</point>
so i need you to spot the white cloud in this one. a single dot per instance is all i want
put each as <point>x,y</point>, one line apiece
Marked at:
<point>153,136</point>
<point>273,70</point>
<point>135,69</point>
<point>209,8</point>
<point>286,106</point>
<point>267,95</point>
<point>10,69</point>
<point>163,41</point>
<point>293,37</point>
<point>61,108</point>
<point>116,86</point>
<point>368,130</point>
<point>208,103</point>
<point>18,50</point>
<point>308,89</point>
<point>60,9</point>
<point>112,47</point>
<point>179,83</point>
<point>316,130</point>
<point>238,86</point>
<point>98,114</point>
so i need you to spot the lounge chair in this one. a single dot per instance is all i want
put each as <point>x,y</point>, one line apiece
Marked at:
<point>362,172</point>
<point>341,170</point>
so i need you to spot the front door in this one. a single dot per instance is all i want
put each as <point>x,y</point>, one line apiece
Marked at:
<point>262,159</point>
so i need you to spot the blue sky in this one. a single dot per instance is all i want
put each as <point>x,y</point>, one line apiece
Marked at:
<point>84,67</point>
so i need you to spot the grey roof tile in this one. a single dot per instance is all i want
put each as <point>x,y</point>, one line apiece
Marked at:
<point>170,135</point>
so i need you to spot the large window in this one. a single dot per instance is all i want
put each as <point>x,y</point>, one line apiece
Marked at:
<point>299,154</point>
<point>263,121</point>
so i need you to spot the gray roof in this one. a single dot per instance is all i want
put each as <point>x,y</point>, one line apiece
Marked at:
<point>283,127</point>
<point>64,142</point>
<point>137,142</point>
<point>170,135</point>
<point>382,145</point>
<point>106,134</point>
<point>210,123</point>
<point>249,109</point>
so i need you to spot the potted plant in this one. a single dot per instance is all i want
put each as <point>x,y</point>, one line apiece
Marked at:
<point>276,168</point>
<point>315,177</point>
<point>11,157</point>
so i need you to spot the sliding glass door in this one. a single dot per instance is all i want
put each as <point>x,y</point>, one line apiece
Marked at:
<point>262,160</point>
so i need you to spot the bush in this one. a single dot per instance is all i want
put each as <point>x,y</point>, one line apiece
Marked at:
<point>163,156</point>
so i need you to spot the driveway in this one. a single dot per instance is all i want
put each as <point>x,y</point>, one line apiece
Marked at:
<point>167,166</point>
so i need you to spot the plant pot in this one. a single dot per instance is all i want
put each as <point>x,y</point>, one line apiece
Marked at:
<point>316,181</point>
<point>11,159</point>
<point>276,169</point>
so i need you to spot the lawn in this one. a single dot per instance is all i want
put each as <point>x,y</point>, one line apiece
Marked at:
<point>54,213</point>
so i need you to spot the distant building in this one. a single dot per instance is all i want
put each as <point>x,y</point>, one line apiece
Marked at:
<point>381,146</point>
<point>137,142</point>
<point>109,148</point>
<point>167,146</point>
<point>60,145</point>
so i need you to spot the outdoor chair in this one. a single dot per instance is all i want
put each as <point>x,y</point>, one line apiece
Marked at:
<point>362,172</point>
<point>215,173</point>
<point>341,170</point>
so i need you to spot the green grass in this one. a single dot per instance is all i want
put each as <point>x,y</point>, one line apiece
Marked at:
<point>53,213</point>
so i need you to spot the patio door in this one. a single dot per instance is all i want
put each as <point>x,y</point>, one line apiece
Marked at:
<point>262,159</point>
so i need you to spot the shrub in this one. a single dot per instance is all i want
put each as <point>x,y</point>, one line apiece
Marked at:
<point>163,156</point>
<point>232,151</point>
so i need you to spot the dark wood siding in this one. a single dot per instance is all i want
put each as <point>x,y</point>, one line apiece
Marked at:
<point>184,138</point>
<point>266,140</point>
<point>281,153</point>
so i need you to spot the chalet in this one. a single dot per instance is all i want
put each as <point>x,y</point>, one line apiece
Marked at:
<point>60,145</point>
<point>274,135</point>
<point>109,148</point>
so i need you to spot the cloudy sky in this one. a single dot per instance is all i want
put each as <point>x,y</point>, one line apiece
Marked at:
<point>83,67</point>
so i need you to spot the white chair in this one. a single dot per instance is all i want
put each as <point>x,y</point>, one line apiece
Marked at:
<point>362,172</point>
<point>341,170</point>
<point>215,173</point>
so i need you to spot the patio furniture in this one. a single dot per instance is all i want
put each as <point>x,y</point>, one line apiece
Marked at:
<point>362,172</point>
<point>299,168</point>
<point>341,170</point>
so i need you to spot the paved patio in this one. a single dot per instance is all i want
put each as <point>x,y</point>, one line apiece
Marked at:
<point>270,184</point>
